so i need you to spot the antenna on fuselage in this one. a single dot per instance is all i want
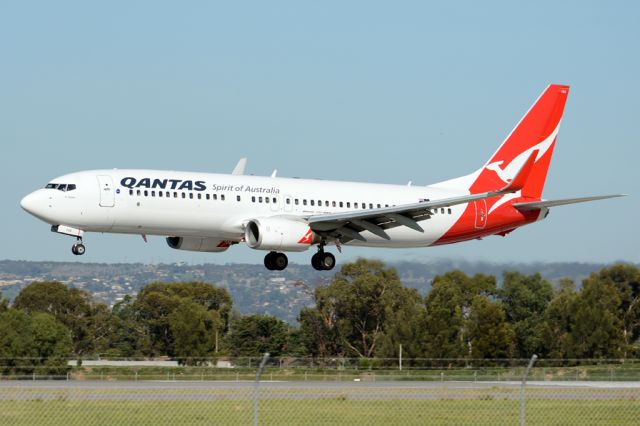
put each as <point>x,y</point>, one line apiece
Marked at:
<point>275,172</point>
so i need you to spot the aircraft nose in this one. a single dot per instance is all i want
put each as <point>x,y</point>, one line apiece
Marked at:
<point>29,203</point>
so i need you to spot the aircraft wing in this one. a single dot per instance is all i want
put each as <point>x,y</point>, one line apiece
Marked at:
<point>535,205</point>
<point>348,225</point>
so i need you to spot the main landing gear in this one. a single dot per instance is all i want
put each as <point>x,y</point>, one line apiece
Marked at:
<point>323,261</point>
<point>275,261</point>
<point>78,248</point>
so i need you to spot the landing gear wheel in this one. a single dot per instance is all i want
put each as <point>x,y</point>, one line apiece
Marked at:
<point>315,262</point>
<point>275,261</point>
<point>268,261</point>
<point>322,261</point>
<point>328,261</point>
<point>280,261</point>
<point>78,249</point>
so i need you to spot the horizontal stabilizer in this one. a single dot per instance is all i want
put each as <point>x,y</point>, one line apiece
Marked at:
<point>535,205</point>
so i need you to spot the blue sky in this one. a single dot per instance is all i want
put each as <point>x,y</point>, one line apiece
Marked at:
<point>366,91</point>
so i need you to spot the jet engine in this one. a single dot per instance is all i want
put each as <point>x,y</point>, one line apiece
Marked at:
<point>211,245</point>
<point>279,234</point>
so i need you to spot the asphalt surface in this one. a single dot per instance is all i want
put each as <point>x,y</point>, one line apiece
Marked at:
<point>295,390</point>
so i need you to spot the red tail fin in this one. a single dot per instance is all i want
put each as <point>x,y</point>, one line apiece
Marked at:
<point>537,130</point>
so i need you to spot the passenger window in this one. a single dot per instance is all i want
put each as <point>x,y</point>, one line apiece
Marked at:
<point>348,204</point>
<point>131,192</point>
<point>138,192</point>
<point>208,196</point>
<point>237,197</point>
<point>312,202</point>
<point>153,193</point>
<point>146,193</point>
<point>288,201</point>
<point>341,204</point>
<point>333,203</point>
<point>386,205</point>
<point>199,196</point>
<point>168,194</point>
<point>191,195</point>
<point>449,211</point>
<point>222,197</point>
<point>184,195</point>
<point>275,200</point>
<point>253,199</point>
<point>266,200</point>
<point>215,196</point>
<point>378,205</point>
<point>304,202</point>
<point>295,201</point>
<point>160,194</point>
<point>175,195</point>
<point>442,210</point>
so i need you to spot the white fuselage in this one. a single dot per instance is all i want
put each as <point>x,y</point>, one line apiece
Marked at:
<point>153,202</point>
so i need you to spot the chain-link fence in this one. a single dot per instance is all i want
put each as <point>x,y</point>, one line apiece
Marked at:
<point>328,391</point>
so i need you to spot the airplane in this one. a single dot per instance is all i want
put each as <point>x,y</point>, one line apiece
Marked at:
<point>211,212</point>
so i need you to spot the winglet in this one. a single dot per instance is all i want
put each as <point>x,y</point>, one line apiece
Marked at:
<point>239,168</point>
<point>521,177</point>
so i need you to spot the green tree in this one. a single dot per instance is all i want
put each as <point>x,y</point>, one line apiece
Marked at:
<point>626,280</point>
<point>352,311</point>
<point>444,324</point>
<point>557,321</point>
<point>87,321</point>
<point>4,304</point>
<point>193,328</point>
<point>448,308</point>
<point>158,301</point>
<point>525,299</point>
<point>33,343</point>
<point>596,327</point>
<point>490,336</point>
<point>318,333</point>
<point>403,325</point>
<point>254,335</point>
<point>129,336</point>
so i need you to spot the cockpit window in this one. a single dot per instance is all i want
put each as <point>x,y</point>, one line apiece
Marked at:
<point>61,186</point>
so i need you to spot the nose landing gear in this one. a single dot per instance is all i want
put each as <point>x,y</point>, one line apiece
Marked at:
<point>78,248</point>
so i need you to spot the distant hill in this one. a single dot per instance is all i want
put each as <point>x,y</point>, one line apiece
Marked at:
<point>253,288</point>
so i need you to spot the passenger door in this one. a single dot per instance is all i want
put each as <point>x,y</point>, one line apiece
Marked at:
<point>107,193</point>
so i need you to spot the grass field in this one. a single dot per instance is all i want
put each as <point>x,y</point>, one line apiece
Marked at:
<point>287,406</point>
<point>320,411</point>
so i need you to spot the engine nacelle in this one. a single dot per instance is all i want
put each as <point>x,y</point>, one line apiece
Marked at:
<point>271,233</point>
<point>211,245</point>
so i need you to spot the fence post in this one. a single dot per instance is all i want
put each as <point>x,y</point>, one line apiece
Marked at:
<point>255,388</point>
<point>523,419</point>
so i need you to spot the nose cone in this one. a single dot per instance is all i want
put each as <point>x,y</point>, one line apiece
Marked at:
<point>35,204</point>
<point>29,203</point>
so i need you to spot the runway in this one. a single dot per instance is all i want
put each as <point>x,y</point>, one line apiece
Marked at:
<point>382,390</point>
